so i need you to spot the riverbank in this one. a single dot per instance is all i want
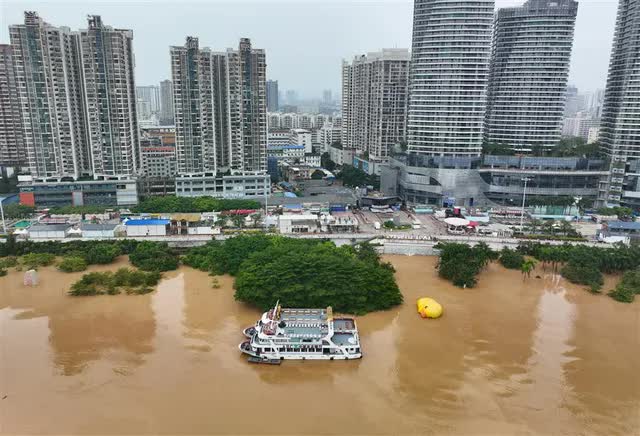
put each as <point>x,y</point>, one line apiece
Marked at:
<point>509,356</point>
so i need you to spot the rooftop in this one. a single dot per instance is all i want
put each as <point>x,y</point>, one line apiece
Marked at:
<point>152,222</point>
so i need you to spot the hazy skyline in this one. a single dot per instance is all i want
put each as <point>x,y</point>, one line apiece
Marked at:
<point>305,40</point>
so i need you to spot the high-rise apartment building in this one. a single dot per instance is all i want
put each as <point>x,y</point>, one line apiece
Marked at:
<point>166,103</point>
<point>52,105</point>
<point>327,96</point>
<point>220,108</point>
<point>450,56</point>
<point>620,123</point>
<point>528,74</point>
<point>77,99</point>
<point>150,94</point>
<point>110,93</point>
<point>375,92</point>
<point>11,140</point>
<point>272,96</point>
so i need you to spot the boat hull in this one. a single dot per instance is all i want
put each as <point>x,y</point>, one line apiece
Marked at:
<point>298,356</point>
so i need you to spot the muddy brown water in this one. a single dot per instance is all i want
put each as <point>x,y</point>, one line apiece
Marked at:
<point>512,356</point>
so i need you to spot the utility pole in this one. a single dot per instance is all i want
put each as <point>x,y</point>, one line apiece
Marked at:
<point>524,196</point>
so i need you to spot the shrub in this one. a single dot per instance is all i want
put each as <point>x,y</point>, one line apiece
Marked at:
<point>8,262</point>
<point>461,263</point>
<point>583,273</point>
<point>628,287</point>
<point>35,260</point>
<point>152,256</point>
<point>102,253</point>
<point>72,264</point>
<point>100,283</point>
<point>3,272</point>
<point>511,259</point>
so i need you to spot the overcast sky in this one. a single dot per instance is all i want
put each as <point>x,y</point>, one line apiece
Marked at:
<point>305,40</point>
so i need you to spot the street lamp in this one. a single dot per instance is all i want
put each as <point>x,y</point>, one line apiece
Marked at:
<point>524,196</point>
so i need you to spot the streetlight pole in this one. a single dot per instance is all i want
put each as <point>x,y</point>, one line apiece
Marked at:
<point>524,196</point>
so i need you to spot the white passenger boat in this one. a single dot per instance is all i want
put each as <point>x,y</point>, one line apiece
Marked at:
<point>312,334</point>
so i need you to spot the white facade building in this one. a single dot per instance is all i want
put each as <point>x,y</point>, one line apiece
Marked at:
<point>302,137</point>
<point>220,108</point>
<point>620,125</point>
<point>529,71</point>
<point>448,78</point>
<point>375,93</point>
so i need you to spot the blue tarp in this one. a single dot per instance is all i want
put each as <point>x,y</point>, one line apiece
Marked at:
<point>147,222</point>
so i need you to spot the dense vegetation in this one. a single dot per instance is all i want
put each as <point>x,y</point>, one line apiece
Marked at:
<point>326,162</point>
<point>171,203</point>
<point>628,287</point>
<point>100,283</point>
<point>353,177</point>
<point>585,265</point>
<point>579,264</point>
<point>301,273</point>
<point>153,256</point>
<point>511,259</point>
<point>566,147</point>
<point>72,264</point>
<point>623,213</point>
<point>18,211</point>
<point>461,263</point>
<point>35,260</point>
<point>80,210</point>
<point>146,255</point>
<point>17,248</point>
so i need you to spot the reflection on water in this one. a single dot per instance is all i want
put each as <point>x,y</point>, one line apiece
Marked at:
<point>510,356</point>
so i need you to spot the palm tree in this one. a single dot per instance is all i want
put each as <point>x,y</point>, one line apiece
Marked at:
<point>526,268</point>
<point>566,227</point>
<point>535,225</point>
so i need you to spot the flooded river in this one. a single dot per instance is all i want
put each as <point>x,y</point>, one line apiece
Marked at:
<point>509,357</point>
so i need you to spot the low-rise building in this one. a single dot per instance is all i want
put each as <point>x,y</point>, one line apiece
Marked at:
<point>147,227</point>
<point>91,230</point>
<point>45,193</point>
<point>341,156</point>
<point>248,185</point>
<point>489,180</point>
<point>49,231</point>
<point>302,137</point>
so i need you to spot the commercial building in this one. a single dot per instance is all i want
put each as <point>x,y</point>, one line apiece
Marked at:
<point>12,151</point>
<point>620,124</point>
<point>528,74</point>
<point>450,55</point>
<point>489,180</point>
<point>374,101</point>
<point>166,103</point>
<point>41,193</point>
<point>220,108</point>
<point>253,185</point>
<point>272,96</point>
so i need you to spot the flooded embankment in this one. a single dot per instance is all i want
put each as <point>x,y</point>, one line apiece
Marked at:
<point>512,356</point>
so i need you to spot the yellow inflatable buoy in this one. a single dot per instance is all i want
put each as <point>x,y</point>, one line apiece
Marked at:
<point>429,308</point>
